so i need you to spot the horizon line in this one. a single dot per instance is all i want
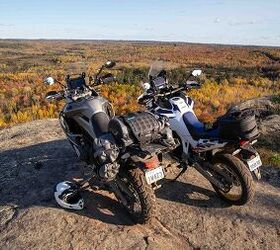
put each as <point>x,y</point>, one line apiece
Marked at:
<point>139,41</point>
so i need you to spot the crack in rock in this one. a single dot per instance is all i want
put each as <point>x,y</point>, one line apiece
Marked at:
<point>7,215</point>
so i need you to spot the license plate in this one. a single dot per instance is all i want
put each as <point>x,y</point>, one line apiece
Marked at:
<point>154,175</point>
<point>254,163</point>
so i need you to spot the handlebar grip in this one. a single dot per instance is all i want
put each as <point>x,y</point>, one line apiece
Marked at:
<point>54,97</point>
<point>193,85</point>
<point>144,99</point>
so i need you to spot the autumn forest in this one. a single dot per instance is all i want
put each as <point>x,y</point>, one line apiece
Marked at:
<point>231,73</point>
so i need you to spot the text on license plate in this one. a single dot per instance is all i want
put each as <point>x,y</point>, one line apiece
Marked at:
<point>254,163</point>
<point>154,175</point>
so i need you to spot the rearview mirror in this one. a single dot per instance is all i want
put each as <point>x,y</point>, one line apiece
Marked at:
<point>49,81</point>
<point>109,64</point>
<point>146,86</point>
<point>197,72</point>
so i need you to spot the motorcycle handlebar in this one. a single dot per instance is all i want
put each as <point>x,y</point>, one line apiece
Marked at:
<point>152,95</point>
<point>53,95</point>
<point>193,85</point>
<point>188,86</point>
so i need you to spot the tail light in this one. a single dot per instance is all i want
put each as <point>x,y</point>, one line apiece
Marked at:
<point>242,143</point>
<point>151,163</point>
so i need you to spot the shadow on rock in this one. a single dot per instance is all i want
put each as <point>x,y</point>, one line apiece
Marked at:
<point>28,176</point>
<point>271,175</point>
<point>189,194</point>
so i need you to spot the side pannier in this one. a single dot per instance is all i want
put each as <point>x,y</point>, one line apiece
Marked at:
<point>238,125</point>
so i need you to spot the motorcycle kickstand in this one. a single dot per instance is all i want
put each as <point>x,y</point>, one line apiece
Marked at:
<point>184,169</point>
<point>116,190</point>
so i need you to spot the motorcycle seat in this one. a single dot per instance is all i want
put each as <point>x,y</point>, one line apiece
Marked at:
<point>197,129</point>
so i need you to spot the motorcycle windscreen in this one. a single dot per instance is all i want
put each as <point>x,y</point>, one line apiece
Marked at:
<point>155,68</point>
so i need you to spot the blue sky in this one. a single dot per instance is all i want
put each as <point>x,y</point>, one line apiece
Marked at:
<point>205,21</point>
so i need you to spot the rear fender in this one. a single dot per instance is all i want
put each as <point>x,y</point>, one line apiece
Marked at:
<point>246,153</point>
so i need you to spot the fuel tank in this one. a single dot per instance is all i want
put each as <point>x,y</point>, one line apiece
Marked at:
<point>91,115</point>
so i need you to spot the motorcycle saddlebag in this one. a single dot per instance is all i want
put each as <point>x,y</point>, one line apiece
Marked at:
<point>120,131</point>
<point>138,127</point>
<point>240,125</point>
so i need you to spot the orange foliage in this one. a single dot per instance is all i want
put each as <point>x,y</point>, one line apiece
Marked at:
<point>233,74</point>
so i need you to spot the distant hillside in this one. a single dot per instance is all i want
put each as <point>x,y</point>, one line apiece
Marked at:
<point>231,73</point>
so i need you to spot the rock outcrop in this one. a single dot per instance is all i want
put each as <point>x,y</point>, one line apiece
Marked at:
<point>267,111</point>
<point>191,216</point>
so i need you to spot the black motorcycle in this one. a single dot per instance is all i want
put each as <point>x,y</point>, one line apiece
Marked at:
<point>120,152</point>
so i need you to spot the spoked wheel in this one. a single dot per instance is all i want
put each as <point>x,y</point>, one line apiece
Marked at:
<point>236,178</point>
<point>139,198</point>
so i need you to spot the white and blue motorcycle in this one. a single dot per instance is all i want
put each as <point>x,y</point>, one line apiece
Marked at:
<point>223,154</point>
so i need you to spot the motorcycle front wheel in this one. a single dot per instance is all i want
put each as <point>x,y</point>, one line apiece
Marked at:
<point>235,177</point>
<point>139,196</point>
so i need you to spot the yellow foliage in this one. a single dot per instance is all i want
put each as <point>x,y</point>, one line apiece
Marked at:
<point>213,99</point>
<point>237,70</point>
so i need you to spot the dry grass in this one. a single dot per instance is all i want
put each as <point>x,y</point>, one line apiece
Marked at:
<point>268,147</point>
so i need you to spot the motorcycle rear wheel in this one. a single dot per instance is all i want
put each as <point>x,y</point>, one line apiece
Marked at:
<point>140,196</point>
<point>234,174</point>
